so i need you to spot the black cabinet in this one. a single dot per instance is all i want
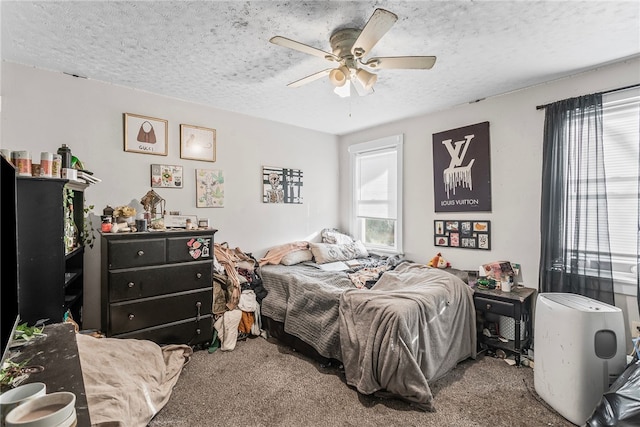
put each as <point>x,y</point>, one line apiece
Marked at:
<point>50,265</point>
<point>158,285</point>
<point>493,305</point>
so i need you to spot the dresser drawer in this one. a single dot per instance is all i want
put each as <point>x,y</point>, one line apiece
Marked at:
<point>189,248</point>
<point>151,281</point>
<point>146,312</point>
<point>494,306</point>
<point>189,331</point>
<point>136,253</point>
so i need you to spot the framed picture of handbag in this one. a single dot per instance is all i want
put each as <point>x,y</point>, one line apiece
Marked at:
<point>197,143</point>
<point>146,135</point>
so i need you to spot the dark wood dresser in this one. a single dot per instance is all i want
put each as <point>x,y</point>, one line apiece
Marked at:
<point>158,286</point>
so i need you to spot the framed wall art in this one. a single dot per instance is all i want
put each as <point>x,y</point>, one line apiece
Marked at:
<point>461,169</point>
<point>281,185</point>
<point>465,234</point>
<point>166,176</point>
<point>209,188</point>
<point>197,143</point>
<point>146,135</point>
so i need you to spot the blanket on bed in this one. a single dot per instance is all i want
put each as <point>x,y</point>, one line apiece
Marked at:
<point>305,299</point>
<point>128,381</point>
<point>413,326</point>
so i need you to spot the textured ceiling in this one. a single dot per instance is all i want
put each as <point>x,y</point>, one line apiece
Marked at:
<point>218,53</point>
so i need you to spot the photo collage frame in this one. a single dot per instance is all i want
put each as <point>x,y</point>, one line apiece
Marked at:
<point>465,234</point>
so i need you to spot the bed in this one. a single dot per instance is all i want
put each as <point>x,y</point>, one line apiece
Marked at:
<point>411,327</point>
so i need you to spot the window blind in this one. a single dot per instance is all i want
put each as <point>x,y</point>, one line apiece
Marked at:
<point>377,184</point>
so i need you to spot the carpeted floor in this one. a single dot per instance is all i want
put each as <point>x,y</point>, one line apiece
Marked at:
<point>263,383</point>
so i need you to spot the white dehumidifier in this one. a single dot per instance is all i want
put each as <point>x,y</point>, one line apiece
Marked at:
<point>579,352</point>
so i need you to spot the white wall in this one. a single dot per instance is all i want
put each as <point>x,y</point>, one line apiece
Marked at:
<point>516,130</point>
<point>42,110</point>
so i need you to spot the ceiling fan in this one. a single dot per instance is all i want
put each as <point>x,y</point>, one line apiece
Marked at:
<point>349,47</point>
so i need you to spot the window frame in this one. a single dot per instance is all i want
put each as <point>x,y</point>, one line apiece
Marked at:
<point>395,143</point>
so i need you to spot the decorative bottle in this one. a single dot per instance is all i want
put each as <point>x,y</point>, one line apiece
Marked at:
<point>65,153</point>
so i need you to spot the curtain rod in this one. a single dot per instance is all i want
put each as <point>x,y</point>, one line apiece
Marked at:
<point>540,107</point>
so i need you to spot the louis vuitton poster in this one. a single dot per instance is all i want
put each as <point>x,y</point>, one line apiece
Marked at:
<point>462,169</point>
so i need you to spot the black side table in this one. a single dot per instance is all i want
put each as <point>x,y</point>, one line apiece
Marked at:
<point>517,305</point>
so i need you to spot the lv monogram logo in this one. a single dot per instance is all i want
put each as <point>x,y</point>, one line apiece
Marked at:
<point>457,175</point>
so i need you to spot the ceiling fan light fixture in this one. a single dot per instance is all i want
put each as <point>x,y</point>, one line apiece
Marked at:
<point>343,91</point>
<point>339,76</point>
<point>366,78</point>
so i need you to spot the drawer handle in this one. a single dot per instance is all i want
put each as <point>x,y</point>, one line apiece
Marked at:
<point>140,253</point>
<point>131,316</point>
<point>131,284</point>
<point>199,275</point>
<point>488,306</point>
<point>198,305</point>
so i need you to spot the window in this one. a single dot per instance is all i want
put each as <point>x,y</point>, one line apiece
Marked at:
<point>376,176</point>
<point>619,185</point>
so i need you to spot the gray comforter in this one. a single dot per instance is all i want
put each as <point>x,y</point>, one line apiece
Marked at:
<point>412,327</point>
<point>305,299</point>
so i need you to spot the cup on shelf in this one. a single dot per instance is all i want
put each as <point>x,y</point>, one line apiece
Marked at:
<point>56,166</point>
<point>46,164</point>
<point>22,162</point>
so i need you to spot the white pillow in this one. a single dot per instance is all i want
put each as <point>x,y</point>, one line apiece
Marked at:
<point>332,235</point>
<point>296,257</point>
<point>329,252</point>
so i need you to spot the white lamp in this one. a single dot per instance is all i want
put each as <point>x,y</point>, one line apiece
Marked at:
<point>339,76</point>
<point>343,91</point>
<point>366,78</point>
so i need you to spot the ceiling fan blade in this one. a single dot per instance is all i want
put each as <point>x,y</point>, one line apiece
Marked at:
<point>377,26</point>
<point>402,62</point>
<point>301,47</point>
<point>310,78</point>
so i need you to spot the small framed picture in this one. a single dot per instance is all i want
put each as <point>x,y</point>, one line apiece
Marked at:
<point>465,228</point>
<point>209,188</point>
<point>439,227</point>
<point>147,135</point>
<point>442,241</point>
<point>451,225</point>
<point>483,241</point>
<point>197,143</point>
<point>454,239</point>
<point>469,242</point>
<point>166,176</point>
<point>481,226</point>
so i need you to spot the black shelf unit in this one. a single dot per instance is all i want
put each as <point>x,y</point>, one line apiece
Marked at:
<point>50,280</point>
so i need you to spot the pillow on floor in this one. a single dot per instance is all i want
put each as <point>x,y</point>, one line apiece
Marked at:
<point>328,252</point>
